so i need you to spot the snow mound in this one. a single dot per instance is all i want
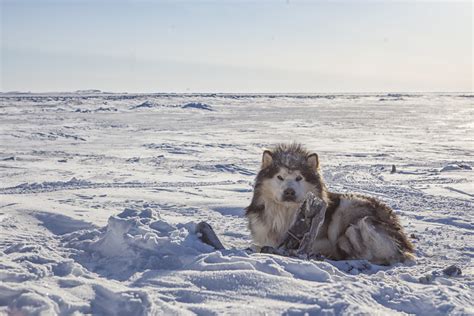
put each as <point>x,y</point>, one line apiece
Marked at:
<point>135,240</point>
<point>197,105</point>
<point>456,166</point>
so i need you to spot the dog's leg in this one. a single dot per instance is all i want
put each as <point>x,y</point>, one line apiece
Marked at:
<point>298,229</point>
<point>315,212</point>
<point>207,235</point>
<point>372,243</point>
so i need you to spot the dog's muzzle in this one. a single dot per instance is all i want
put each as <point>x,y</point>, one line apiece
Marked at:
<point>289,195</point>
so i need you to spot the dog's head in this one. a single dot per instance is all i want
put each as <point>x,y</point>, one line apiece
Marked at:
<point>288,173</point>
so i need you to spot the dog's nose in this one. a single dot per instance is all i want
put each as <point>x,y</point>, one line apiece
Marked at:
<point>289,193</point>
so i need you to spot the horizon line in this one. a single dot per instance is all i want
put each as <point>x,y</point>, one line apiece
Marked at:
<point>98,91</point>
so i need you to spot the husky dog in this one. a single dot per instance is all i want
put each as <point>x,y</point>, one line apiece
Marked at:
<point>354,226</point>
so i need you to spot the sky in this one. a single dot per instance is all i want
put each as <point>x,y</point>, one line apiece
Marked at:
<point>236,46</point>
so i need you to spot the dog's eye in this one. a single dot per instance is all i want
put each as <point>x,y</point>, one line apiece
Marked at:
<point>280,178</point>
<point>299,178</point>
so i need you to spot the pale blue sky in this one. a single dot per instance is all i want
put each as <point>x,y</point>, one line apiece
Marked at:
<point>236,46</point>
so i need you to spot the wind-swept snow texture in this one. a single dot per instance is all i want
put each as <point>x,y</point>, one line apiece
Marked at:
<point>100,195</point>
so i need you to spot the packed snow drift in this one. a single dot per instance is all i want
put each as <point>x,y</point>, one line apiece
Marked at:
<point>100,195</point>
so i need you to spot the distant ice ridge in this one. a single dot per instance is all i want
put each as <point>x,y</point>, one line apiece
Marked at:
<point>88,91</point>
<point>150,104</point>
<point>197,105</point>
<point>147,105</point>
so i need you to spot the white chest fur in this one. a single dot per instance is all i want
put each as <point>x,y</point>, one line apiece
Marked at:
<point>270,229</point>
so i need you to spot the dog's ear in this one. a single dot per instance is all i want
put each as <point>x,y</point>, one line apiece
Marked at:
<point>313,161</point>
<point>267,158</point>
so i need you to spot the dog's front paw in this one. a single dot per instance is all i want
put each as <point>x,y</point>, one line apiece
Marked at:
<point>267,249</point>
<point>316,257</point>
<point>291,241</point>
<point>274,251</point>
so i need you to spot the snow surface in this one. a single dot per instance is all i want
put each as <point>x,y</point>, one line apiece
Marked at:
<point>100,194</point>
